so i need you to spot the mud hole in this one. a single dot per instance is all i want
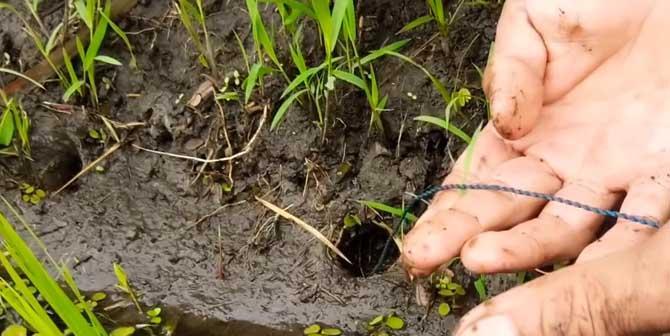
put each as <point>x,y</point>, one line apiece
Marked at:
<point>214,253</point>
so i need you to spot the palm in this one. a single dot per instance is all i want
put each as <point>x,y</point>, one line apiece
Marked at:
<point>579,94</point>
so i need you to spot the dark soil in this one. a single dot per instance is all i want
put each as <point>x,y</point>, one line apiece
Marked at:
<point>144,210</point>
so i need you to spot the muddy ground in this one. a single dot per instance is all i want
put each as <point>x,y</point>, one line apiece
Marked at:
<point>144,211</point>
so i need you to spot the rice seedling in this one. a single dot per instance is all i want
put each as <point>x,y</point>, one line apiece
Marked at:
<point>44,49</point>
<point>437,14</point>
<point>21,294</point>
<point>190,14</point>
<point>96,17</point>
<point>456,101</point>
<point>14,128</point>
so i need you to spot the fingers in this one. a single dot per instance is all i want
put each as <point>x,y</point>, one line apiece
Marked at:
<point>615,295</point>
<point>513,80</point>
<point>445,227</point>
<point>648,197</point>
<point>559,232</point>
<point>489,152</point>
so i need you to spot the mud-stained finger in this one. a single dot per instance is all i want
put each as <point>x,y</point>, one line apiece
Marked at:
<point>473,165</point>
<point>445,228</point>
<point>648,197</point>
<point>559,232</point>
<point>513,80</point>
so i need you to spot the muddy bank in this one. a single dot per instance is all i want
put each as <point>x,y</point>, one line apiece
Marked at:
<point>242,263</point>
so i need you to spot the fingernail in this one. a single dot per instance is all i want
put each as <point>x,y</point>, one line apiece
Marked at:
<point>499,325</point>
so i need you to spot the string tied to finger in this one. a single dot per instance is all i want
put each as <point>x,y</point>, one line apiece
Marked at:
<point>431,191</point>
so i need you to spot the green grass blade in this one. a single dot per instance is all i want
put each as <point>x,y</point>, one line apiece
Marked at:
<point>6,127</point>
<point>61,304</point>
<point>18,74</point>
<point>339,12</point>
<point>438,85</point>
<point>296,6</point>
<point>82,11</point>
<point>51,43</point>
<point>260,33</point>
<point>69,280</point>
<point>351,79</point>
<point>397,212</point>
<point>325,21</point>
<point>257,71</point>
<point>445,124</point>
<point>437,8</point>
<point>395,46</point>
<point>74,87</point>
<point>418,22</point>
<point>279,116</point>
<point>122,35</point>
<point>350,23</point>
<point>187,11</point>
<point>70,69</point>
<point>96,42</point>
<point>108,60</point>
<point>296,51</point>
<point>480,286</point>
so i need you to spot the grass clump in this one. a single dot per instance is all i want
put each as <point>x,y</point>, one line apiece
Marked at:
<point>14,128</point>
<point>27,276</point>
<point>95,14</point>
<point>192,16</point>
<point>436,13</point>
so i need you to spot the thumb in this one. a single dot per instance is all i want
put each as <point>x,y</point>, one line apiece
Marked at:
<point>616,295</point>
<point>513,79</point>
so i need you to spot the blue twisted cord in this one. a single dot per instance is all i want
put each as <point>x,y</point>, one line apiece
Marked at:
<point>431,191</point>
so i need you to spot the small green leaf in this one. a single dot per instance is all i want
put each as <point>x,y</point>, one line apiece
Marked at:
<point>351,221</point>
<point>108,60</point>
<point>420,21</point>
<point>123,331</point>
<point>331,332</point>
<point>279,116</point>
<point>445,124</point>
<point>99,296</point>
<point>94,134</point>
<point>313,329</point>
<point>72,89</point>
<point>376,321</point>
<point>154,312</point>
<point>395,323</point>
<point>26,198</point>
<point>15,330</point>
<point>444,309</point>
<point>480,286</point>
<point>6,128</point>
<point>388,209</point>
<point>34,200</point>
<point>40,193</point>
<point>445,293</point>
<point>203,61</point>
<point>29,190</point>
<point>156,320</point>
<point>351,79</point>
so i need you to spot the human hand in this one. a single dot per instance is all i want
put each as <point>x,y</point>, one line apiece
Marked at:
<point>622,293</point>
<point>580,109</point>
